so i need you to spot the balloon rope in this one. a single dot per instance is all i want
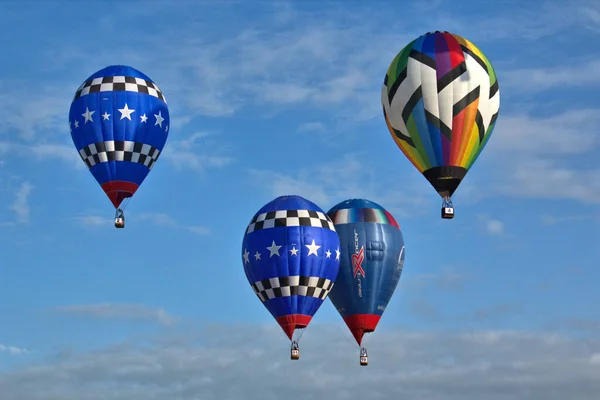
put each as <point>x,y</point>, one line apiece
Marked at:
<point>126,201</point>
<point>300,333</point>
<point>353,344</point>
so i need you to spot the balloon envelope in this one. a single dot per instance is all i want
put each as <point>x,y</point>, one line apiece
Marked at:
<point>441,100</point>
<point>372,258</point>
<point>119,123</point>
<point>289,256</point>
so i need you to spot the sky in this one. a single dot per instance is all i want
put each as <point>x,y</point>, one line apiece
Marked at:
<point>283,97</point>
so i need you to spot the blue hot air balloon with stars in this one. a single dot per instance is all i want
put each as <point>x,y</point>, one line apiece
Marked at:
<point>119,123</point>
<point>291,256</point>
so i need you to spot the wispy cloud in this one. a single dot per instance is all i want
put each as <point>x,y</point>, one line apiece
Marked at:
<point>311,60</point>
<point>550,157</point>
<point>120,310</point>
<point>13,350</point>
<point>312,127</point>
<point>93,220</point>
<point>549,220</point>
<point>294,57</point>
<point>199,152</point>
<point>569,132</point>
<point>36,116</point>
<point>20,205</point>
<point>591,14</point>
<point>166,220</point>
<point>498,310</point>
<point>449,279</point>
<point>43,152</point>
<point>492,226</point>
<point>158,219</point>
<point>345,178</point>
<point>411,365</point>
<point>584,74</point>
<point>582,324</point>
<point>425,309</point>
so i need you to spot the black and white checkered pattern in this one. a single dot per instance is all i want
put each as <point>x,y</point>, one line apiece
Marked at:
<point>119,83</point>
<point>274,219</point>
<point>310,286</point>
<point>119,150</point>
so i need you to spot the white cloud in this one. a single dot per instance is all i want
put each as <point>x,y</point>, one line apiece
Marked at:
<point>158,219</point>
<point>592,14</point>
<point>495,365</point>
<point>549,220</point>
<point>167,221</point>
<point>312,127</point>
<point>199,230</point>
<point>94,220</point>
<point>567,133</point>
<point>491,225</point>
<point>334,64</point>
<point>448,279</point>
<point>198,152</point>
<point>62,152</point>
<point>125,311</point>
<point>586,73</point>
<point>274,63</point>
<point>529,22</point>
<point>494,227</point>
<point>13,350</point>
<point>545,157</point>
<point>549,158</point>
<point>498,310</point>
<point>346,178</point>
<point>334,57</point>
<point>43,151</point>
<point>33,117</point>
<point>21,203</point>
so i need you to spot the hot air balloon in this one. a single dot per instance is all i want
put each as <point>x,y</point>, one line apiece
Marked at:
<point>289,256</point>
<point>441,100</point>
<point>372,258</point>
<point>119,123</point>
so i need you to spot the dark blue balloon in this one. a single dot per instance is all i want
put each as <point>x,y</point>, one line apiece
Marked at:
<point>119,123</point>
<point>290,254</point>
<point>372,258</point>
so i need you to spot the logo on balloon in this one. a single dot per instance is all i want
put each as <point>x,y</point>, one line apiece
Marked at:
<point>400,264</point>
<point>357,260</point>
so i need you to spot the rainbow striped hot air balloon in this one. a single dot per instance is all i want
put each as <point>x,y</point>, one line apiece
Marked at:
<point>441,100</point>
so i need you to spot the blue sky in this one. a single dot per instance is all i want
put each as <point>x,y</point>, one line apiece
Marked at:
<point>274,98</point>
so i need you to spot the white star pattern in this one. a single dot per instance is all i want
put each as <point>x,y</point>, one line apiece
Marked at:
<point>159,119</point>
<point>76,123</point>
<point>328,254</point>
<point>88,115</point>
<point>337,254</point>
<point>294,251</point>
<point>312,248</point>
<point>126,112</point>
<point>143,118</point>
<point>246,256</point>
<point>167,128</point>
<point>274,249</point>
<point>106,115</point>
<point>257,256</point>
